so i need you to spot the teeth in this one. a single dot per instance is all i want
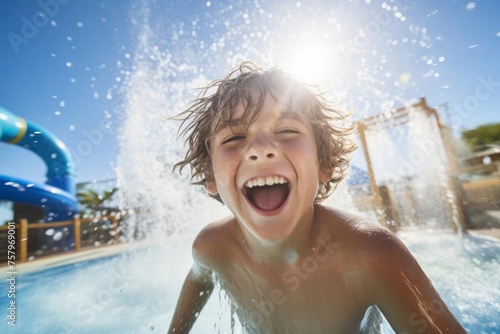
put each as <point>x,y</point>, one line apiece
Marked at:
<point>268,180</point>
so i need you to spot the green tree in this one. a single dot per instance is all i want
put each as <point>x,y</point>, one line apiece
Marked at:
<point>483,135</point>
<point>93,202</point>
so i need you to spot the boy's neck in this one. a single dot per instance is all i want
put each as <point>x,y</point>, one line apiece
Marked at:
<point>296,244</point>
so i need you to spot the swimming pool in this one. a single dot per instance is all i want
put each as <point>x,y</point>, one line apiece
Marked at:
<point>136,291</point>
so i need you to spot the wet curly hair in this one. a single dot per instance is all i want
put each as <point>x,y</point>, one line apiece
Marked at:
<point>250,84</point>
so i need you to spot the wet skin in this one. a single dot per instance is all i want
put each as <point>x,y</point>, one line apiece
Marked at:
<point>300,268</point>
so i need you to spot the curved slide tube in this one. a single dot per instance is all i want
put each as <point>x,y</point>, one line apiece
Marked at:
<point>57,196</point>
<point>57,204</point>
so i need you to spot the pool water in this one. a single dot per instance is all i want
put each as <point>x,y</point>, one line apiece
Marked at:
<point>136,291</point>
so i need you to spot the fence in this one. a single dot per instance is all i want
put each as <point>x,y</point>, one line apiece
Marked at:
<point>22,228</point>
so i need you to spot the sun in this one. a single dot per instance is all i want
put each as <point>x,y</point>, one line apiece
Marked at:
<point>311,62</point>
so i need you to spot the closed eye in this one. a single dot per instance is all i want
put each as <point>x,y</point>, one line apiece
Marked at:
<point>287,131</point>
<point>233,138</point>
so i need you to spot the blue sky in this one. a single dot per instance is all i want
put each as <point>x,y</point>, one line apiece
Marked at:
<point>70,74</point>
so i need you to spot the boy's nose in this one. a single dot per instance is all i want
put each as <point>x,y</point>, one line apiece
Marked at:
<point>261,148</point>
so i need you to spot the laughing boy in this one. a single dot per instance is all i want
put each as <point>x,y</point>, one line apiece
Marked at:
<point>271,150</point>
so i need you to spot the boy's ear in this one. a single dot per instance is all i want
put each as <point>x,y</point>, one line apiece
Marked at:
<point>211,187</point>
<point>325,175</point>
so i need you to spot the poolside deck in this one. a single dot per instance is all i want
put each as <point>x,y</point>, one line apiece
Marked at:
<point>56,260</point>
<point>492,232</point>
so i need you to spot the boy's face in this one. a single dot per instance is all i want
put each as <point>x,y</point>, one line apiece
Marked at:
<point>267,173</point>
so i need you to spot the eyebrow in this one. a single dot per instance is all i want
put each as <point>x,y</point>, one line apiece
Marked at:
<point>285,115</point>
<point>223,124</point>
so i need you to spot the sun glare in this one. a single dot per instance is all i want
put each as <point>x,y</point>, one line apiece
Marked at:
<point>310,62</point>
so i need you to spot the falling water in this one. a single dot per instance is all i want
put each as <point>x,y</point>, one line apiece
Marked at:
<point>410,160</point>
<point>157,88</point>
<point>428,156</point>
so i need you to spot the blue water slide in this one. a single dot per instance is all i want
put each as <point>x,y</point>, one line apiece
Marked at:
<point>57,196</point>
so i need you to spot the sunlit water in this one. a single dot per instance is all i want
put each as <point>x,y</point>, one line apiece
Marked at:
<point>410,160</point>
<point>136,292</point>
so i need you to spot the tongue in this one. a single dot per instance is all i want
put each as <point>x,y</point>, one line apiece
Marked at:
<point>268,197</point>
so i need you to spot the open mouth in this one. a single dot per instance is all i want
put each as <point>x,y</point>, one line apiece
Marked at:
<point>267,193</point>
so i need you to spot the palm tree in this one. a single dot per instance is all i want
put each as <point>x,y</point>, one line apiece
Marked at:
<point>95,203</point>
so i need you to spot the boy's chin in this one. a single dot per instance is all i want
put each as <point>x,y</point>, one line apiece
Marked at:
<point>272,231</point>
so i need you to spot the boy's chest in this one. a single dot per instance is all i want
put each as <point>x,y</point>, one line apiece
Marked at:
<point>305,298</point>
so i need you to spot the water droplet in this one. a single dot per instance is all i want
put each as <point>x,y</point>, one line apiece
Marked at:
<point>57,236</point>
<point>290,256</point>
<point>69,64</point>
<point>79,24</point>
<point>470,6</point>
<point>487,160</point>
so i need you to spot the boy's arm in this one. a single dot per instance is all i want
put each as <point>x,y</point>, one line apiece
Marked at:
<point>405,295</point>
<point>194,294</point>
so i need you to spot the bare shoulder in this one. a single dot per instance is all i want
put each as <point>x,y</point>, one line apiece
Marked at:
<point>347,222</point>
<point>360,233</point>
<point>214,242</point>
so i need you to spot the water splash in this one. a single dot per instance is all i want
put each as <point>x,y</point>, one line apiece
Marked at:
<point>363,45</point>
